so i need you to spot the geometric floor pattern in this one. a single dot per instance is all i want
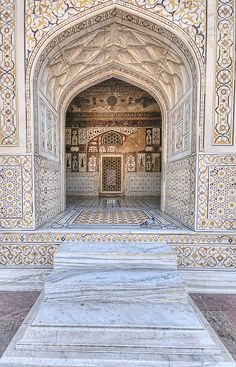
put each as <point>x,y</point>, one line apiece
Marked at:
<point>118,212</point>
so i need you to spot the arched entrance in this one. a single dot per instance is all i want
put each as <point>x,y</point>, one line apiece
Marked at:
<point>147,56</point>
<point>113,142</point>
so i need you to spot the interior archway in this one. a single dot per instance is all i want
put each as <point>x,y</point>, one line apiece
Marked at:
<point>159,63</point>
<point>118,122</point>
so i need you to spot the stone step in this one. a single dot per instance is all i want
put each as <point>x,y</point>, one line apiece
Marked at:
<point>134,340</point>
<point>74,331</point>
<point>144,315</point>
<point>109,359</point>
<point>128,285</point>
<point>113,255</point>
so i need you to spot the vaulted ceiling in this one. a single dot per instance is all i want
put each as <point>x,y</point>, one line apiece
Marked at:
<point>119,45</point>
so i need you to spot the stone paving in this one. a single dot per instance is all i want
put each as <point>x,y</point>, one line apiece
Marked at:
<point>220,312</point>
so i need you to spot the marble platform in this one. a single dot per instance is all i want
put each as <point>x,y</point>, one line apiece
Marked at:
<point>115,305</point>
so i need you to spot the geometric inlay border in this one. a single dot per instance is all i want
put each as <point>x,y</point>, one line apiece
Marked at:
<point>8,120</point>
<point>225,48</point>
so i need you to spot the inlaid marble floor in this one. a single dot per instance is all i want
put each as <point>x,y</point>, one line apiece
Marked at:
<point>125,212</point>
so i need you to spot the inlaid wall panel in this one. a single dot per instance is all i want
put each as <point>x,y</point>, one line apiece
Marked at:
<point>217,192</point>
<point>8,108</point>
<point>223,128</point>
<point>16,192</point>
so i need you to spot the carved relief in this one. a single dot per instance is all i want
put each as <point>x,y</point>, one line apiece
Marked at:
<point>49,130</point>
<point>180,129</point>
<point>124,46</point>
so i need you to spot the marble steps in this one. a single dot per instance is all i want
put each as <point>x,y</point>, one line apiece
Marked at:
<point>97,323</point>
<point>131,340</point>
<point>116,285</point>
<point>121,359</point>
<point>55,313</point>
<point>90,255</point>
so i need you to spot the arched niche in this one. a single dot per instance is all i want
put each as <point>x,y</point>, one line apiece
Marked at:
<point>145,53</point>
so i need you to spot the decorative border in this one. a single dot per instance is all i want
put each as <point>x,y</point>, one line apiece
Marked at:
<point>25,163</point>
<point>224,104</point>
<point>213,257</point>
<point>207,163</point>
<point>8,117</point>
<point>197,251</point>
<point>27,255</point>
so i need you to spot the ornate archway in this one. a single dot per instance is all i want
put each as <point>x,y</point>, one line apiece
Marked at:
<point>165,66</point>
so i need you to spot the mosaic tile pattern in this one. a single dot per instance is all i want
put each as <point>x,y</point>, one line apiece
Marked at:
<point>27,254</point>
<point>127,217</point>
<point>84,183</point>
<point>8,118</point>
<point>225,48</point>
<point>10,184</point>
<point>216,198</point>
<point>16,196</point>
<point>121,212</point>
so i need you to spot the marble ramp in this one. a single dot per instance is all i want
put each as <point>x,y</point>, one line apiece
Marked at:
<point>115,305</point>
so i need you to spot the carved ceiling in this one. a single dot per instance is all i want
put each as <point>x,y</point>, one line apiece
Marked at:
<point>119,45</point>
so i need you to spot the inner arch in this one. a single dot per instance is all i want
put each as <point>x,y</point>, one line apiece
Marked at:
<point>113,121</point>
